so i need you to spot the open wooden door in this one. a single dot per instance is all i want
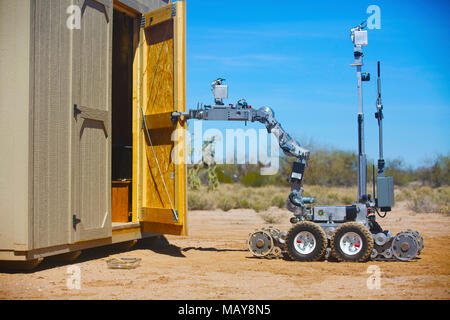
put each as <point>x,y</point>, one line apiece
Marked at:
<point>159,178</point>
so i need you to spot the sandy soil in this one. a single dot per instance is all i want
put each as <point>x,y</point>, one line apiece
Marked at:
<point>213,263</point>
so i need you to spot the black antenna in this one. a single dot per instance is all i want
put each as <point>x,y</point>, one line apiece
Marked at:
<point>379,117</point>
<point>362,25</point>
<point>373,180</point>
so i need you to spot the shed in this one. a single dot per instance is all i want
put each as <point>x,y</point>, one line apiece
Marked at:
<point>89,155</point>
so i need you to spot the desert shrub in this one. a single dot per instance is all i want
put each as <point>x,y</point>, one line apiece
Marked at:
<point>399,171</point>
<point>226,204</point>
<point>259,205</point>
<point>224,175</point>
<point>196,171</point>
<point>426,199</point>
<point>231,196</point>
<point>244,203</point>
<point>333,196</point>
<point>443,195</point>
<point>403,194</point>
<point>331,167</point>
<point>438,173</point>
<point>421,205</point>
<point>198,201</point>
<point>254,179</point>
<point>347,200</point>
<point>278,201</point>
<point>270,217</point>
<point>193,177</point>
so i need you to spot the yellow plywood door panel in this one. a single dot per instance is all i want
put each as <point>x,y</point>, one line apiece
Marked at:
<point>159,177</point>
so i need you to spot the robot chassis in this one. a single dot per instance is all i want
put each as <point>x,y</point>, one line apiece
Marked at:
<point>348,233</point>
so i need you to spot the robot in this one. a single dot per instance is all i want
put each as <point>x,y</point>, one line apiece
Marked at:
<point>347,233</point>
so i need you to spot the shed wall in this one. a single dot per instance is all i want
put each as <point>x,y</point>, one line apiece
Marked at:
<point>37,95</point>
<point>52,41</point>
<point>14,124</point>
<point>71,170</point>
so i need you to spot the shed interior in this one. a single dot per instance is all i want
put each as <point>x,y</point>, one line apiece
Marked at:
<point>122,115</point>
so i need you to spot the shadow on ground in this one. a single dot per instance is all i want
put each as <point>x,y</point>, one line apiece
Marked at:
<point>211,249</point>
<point>159,245</point>
<point>156,244</point>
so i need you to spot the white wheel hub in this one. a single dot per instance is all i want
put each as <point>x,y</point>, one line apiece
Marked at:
<point>351,243</point>
<point>305,242</point>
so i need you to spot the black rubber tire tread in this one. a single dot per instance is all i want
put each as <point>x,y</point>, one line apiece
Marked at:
<point>321,241</point>
<point>366,237</point>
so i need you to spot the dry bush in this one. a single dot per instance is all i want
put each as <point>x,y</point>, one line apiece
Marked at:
<point>270,218</point>
<point>234,196</point>
<point>226,204</point>
<point>418,198</point>
<point>422,205</point>
<point>278,201</point>
<point>426,199</point>
<point>259,205</point>
<point>244,204</point>
<point>347,200</point>
<point>331,195</point>
<point>200,201</point>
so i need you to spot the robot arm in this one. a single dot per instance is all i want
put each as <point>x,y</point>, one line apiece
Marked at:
<point>265,115</point>
<point>296,201</point>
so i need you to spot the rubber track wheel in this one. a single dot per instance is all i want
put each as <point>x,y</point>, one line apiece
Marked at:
<point>365,235</point>
<point>318,233</point>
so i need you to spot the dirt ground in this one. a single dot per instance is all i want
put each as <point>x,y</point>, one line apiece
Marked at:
<point>213,263</point>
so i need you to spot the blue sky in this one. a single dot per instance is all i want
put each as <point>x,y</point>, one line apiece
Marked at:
<point>295,57</point>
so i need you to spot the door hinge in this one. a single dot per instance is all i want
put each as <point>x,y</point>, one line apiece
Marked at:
<point>143,21</point>
<point>75,221</point>
<point>76,111</point>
